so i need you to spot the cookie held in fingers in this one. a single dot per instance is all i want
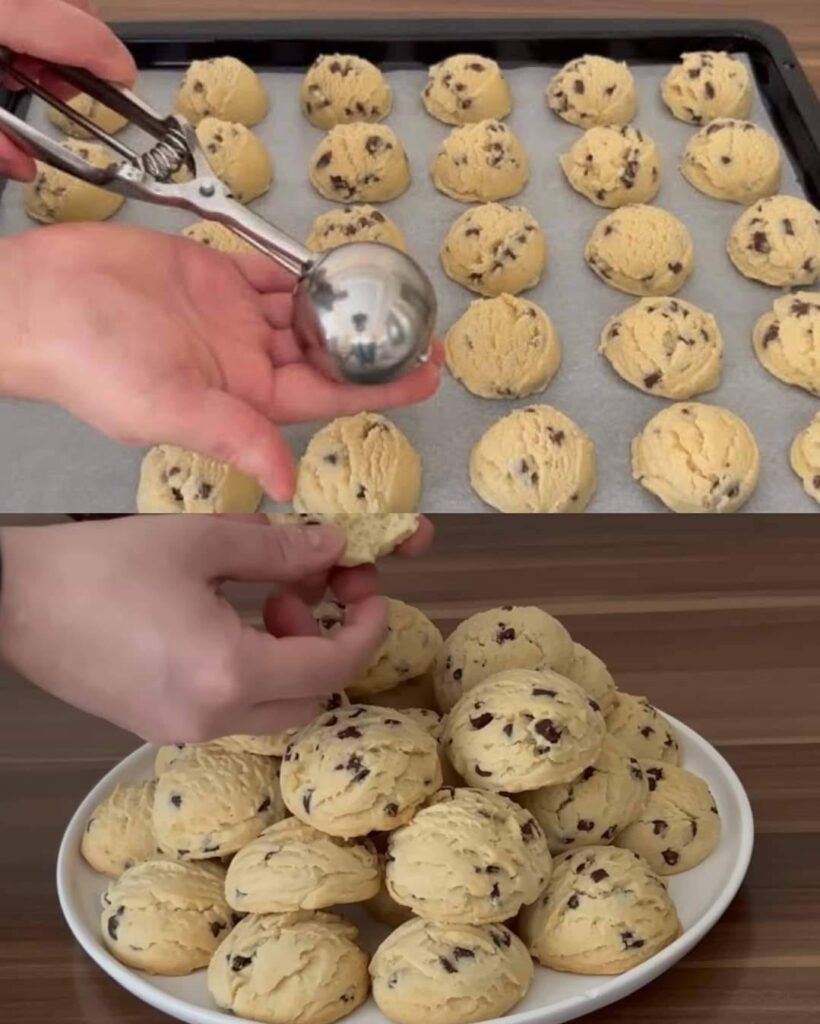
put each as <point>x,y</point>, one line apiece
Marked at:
<point>274,744</point>
<point>370,536</point>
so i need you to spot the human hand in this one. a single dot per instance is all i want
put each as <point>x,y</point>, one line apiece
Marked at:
<point>125,619</point>
<point>152,339</point>
<point>63,32</point>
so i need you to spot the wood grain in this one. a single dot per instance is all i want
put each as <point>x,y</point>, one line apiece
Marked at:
<point>716,621</point>
<point>797,18</point>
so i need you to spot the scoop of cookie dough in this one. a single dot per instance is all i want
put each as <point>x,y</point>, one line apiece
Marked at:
<point>358,464</point>
<point>175,480</point>
<point>787,340</point>
<point>216,236</point>
<point>612,166</point>
<point>301,968</point>
<point>593,90</point>
<point>449,974</point>
<point>521,730</point>
<point>237,157</point>
<point>54,197</point>
<point>506,347</point>
<point>165,918</point>
<point>360,162</point>
<point>535,459</point>
<point>804,457</point>
<point>370,536</point>
<point>103,117</point>
<point>595,806</point>
<point>119,832</point>
<point>354,224</point>
<point>492,249</point>
<point>497,639</point>
<point>706,85</point>
<point>642,250</point>
<point>293,866</point>
<point>274,744</point>
<point>697,458</point>
<point>358,770</point>
<point>733,160</point>
<point>468,857</point>
<point>588,671</point>
<point>213,801</point>
<point>777,241</point>
<point>481,162</point>
<point>642,729</point>
<point>679,825</point>
<point>222,87</point>
<point>465,89</point>
<point>603,912</point>
<point>340,88</point>
<point>665,347</point>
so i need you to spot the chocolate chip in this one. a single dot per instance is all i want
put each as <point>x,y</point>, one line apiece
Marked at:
<point>470,232</point>
<point>307,796</point>
<point>476,67</point>
<point>630,942</point>
<point>676,267</point>
<point>694,72</point>
<point>651,379</point>
<point>800,308</point>
<point>391,810</point>
<point>481,721</point>
<point>350,733</point>
<point>217,927</point>
<point>709,90</point>
<point>448,965</point>
<point>609,90</point>
<point>264,806</point>
<point>760,242</point>
<point>501,940</point>
<point>481,773</point>
<point>646,731</point>
<point>578,86</point>
<point>587,773</point>
<point>214,848</point>
<point>361,493</point>
<point>508,729</point>
<point>556,436</point>
<point>176,800</point>
<point>495,892</point>
<point>373,144</point>
<point>635,770</point>
<point>505,633</point>
<point>659,826</point>
<point>593,704</point>
<point>462,953</point>
<point>529,830</point>
<point>670,856</point>
<point>176,493</point>
<point>609,833</point>
<point>653,777</point>
<point>585,825</point>
<point>324,159</point>
<point>114,923</point>
<point>239,963</point>
<point>573,902</point>
<point>457,674</point>
<point>548,729</point>
<point>599,874</point>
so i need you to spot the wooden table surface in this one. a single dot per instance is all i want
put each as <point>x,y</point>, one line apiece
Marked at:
<point>797,18</point>
<point>717,621</point>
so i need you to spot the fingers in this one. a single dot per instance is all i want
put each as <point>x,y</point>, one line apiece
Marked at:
<point>274,716</point>
<point>14,163</point>
<point>288,615</point>
<point>65,34</point>
<point>263,273</point>
<point>297,667</point>
<point>419,542</point>
<point>273,554</point>
<point>351,585</point>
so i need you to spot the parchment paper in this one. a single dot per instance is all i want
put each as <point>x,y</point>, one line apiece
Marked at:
<point>51,462</point>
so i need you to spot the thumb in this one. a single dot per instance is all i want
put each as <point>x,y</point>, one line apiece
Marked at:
<point>272,554</point>
<point>225,428</point>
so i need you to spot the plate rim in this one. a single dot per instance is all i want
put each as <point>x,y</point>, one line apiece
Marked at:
<point>614,988</point>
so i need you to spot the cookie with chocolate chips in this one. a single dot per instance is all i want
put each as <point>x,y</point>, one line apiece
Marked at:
<point>222,87</point>
<point>370,536</point>
<point>175,480</point>
<point>54,197</point>
<point>591,673</point>
<point>360,163</point>
<point>92,110</point>
<point>593,90</point>
<point>481,162</point>
<point>340,88</point>
<point>787,340</point>
<point>119,832</point>
<point>733,160</point>
<point>777,241</point>
<point>362,223</point>
<point>236,156</point>
<point>639,727</point>
<point>466,88</point>
<point>706,85</point>
<point>612,165</point>
<point>804,457</point>
<point>603,912</point>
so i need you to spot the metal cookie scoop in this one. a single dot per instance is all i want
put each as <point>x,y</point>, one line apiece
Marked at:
<point>362,313</point>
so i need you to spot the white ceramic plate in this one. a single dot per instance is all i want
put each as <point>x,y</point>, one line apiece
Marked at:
<point>701,896</point>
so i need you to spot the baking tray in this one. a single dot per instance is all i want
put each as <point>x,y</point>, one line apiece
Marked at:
<point>49,461</point>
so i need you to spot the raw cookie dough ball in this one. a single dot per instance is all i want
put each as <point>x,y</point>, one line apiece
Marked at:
<point>498,639</point>
<point>54,197</point>
<point>603,912</point>
<point>109,120</point>
<point>787,340</point>
<point>535,459</point>
<point>165,918</point>
<point>175,480</point>
<point>358,464</point>
<point>216,236</point>
<point>665,347</point>
<point>119,832</point>
<point>642,250</point>
<point>468,857</point>
<point>293,866</point>
<point>301,968</point>
<point>365,163</point>
<point>237,157</point>
<point>642,729</point>
<point>777,241</point>
<point>697,458</point>
<point>222,87</point>
<point>734,160</point>
<point>340,88</point>
<point>805,458</point>
<point>354,224</point>
<point>449,974</point>
<point>370,536</point>
<point>506,347</point>
<point>593,90</point>
<point>588,671</point>
<point>481,162</point>
<point>409,649</point>
<point>521,730</point>
<point>707,85</point>
<point>358,770</point>
<point>612,166</point>
<point>466,88</point>
<point>274,744</point>
<point>213,801</point>
<point>595,806</point>
<point>679,825</point>
<point>492,249</point>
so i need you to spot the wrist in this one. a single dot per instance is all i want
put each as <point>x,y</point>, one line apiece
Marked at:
<point>15,345</point>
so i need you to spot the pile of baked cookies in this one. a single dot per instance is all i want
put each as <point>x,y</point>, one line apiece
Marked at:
<point>695,457</point>
<point>537,819</point>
